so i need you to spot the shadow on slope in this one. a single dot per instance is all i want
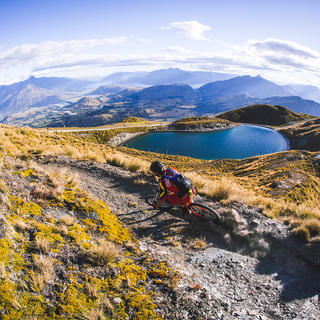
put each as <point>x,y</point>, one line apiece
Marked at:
<point>299,279</point>
<point>244,231</point>
<point>292,262</point>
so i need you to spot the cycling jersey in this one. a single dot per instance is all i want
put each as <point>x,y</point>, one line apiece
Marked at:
<point>170,191</point>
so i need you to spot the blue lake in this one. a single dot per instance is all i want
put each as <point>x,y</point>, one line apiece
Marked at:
<point>237,143</point>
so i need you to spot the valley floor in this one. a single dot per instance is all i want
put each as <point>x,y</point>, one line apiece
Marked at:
<point>249,268</point>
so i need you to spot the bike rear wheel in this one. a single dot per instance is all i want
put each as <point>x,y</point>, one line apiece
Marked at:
<point>151,199</point>
<point>204,212</point>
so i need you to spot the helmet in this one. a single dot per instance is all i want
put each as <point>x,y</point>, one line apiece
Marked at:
<point>157,167</point>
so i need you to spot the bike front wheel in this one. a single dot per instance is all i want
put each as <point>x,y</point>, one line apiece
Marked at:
<point>204,212</point>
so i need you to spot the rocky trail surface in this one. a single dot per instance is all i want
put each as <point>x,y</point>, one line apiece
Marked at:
<point>246,268</point>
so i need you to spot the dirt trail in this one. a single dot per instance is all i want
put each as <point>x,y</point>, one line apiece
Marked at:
<point>250,269</point>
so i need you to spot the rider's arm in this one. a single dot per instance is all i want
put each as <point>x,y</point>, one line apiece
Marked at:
<point>162,191</point>
<point>161,195</point>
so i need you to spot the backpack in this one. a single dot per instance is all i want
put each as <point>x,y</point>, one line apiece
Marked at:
<point>183,183</point>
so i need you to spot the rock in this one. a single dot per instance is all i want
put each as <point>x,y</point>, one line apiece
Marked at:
<point>315,299</point>
<point>3,228</point>
<point>253,312</point>
<point>117,300</point>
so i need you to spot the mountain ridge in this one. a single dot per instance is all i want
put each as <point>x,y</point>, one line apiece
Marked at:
<point>169,101</point>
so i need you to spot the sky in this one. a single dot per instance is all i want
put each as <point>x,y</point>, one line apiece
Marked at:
<point>276,39</point>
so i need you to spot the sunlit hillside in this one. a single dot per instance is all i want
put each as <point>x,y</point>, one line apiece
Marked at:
<point>285,185</point>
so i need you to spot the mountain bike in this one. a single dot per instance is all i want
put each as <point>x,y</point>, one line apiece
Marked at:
<point>199,210</point>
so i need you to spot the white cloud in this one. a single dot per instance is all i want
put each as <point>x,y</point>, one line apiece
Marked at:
<point>50,49</point>
<point>144,40</point>
<point>284,47</point>
<point>192,29</point>
<point>271,58</point>
<point>175,49</point>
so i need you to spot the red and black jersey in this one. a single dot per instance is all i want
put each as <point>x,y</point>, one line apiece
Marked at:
<point>167,182</point>
<point>174,187</point>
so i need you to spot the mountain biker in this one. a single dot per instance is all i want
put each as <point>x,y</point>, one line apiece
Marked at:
<point>174,187</point>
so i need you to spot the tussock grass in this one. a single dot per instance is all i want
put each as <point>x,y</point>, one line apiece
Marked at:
<point>92,288</point>
<point>25,144</point>
<point>127,162</point>
<point>199,244</point>
<point>63,230</point>
<point>67,220</point>
<point>2,270</point>
<point>104,252</point>
<point>42,244</point>
<point>216,189</point>
<point>22,226</point>
<point>44,264</point>
<point>246,180</point>
<point>41,193</point>
<point>313,225</point>
<point>37,281</point>
<point>302,233</point>
<point>95,313</point>
<point>140,181</point>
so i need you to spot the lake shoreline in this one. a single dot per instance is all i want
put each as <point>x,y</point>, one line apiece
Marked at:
<point>124,137</point>
<point>247,141</point>
<point>121,138</point>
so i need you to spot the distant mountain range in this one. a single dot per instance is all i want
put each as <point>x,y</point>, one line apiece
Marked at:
<point>167,93</point>
<point>37,92</point>
<point>166,76</point>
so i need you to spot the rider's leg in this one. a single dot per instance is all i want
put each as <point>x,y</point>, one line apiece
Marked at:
<point>185,200</point>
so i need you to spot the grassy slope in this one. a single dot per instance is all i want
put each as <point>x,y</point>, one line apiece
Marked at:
<point>196,122</point>
<point>285,185</point>
<point>263,114</point>
<point>48,225</point>
<point>133,119</point>
<point>304,135</point>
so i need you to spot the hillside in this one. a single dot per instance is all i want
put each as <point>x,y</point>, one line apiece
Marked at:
<point>263,114</point>
<point>77,240</point>
<point>305,136</point>
<point>200,123</point>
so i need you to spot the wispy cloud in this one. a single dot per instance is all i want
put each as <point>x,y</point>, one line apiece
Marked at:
<point>271,58</point>
<point>192,29</point>
<point>284,47</point>
<point>50,49</point>
<point>175,49</point>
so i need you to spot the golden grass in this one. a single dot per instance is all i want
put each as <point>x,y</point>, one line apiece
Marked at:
<point>92,288</point>
<point>67,220</point>
<point>2,270</point>
<point>217,189</point>
<point>42,244</point>
<point>313,225</point>
<point>22,226</point>
<point>25,145</point>
<point>44,264</point>
<point>221,180</point>
<point>199,244</point>
<point>37,281</point>
<point>104,252</point>
<point>95,313</point>
<point>302,233</point>
<point>63,230</point>
<point>132,164</point>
